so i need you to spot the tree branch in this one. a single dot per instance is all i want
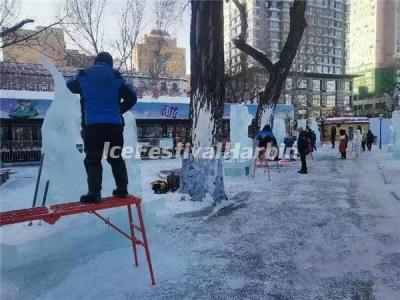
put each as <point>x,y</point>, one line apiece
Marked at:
<point>254,53</point>
<point>298,24</point>
<point>14,28</point>
<point>241,44</point>
<point>17,40</point>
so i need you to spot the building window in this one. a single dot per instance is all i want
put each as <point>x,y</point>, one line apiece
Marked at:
<point>316,85</point>
<point>331,86</point>
<point>330,101</point>
<point>316,101</point>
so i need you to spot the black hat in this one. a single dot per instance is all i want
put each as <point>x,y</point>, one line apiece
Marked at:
<point>104,57</point>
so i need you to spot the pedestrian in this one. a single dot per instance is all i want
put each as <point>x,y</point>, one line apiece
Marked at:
<point>343,143</point>
<point>309,137</point>
<point>363,138</point>
<point>357,143</point>
<point>303,149</point>
<point>289,142</point>
<point>101,89</point>
<point>313,141</point>
<point>267,140</point>
<point>370,139</point>
<point>333,135</point>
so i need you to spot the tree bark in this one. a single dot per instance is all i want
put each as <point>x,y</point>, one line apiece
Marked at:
<point>278,71</point>
<point>14,28</point>
<point>204,176</point>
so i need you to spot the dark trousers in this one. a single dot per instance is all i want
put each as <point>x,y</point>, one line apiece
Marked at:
<point>333,143</point>
<point>369,145</point>
<point>303,162</point>
<point>94,138</point>
<point>363,145</point>
<point>344,155</point>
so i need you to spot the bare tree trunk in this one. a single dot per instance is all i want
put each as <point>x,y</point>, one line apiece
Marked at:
<point>278,72</point>
<point>202,176</point>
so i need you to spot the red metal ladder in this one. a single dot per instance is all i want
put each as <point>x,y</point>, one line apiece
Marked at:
<point>53,213</point>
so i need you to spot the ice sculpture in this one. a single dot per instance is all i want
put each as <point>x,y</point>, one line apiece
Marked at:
<point>396,133</point>
<point>240,119</point>
<point>386,134</point>
<point>302,123</point>
<point>314,126</point>
<point>63,163</point>
<point>133,162</point>
<point>279,130</point>
<point>43,255</point>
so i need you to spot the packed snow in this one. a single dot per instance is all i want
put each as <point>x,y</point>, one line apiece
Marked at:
<point>332,234</point>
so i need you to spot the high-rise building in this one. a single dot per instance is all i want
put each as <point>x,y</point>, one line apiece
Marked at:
<point>317,84</point>
<point>158,53</point>
<point>324,42</point>
<point>373,42</point>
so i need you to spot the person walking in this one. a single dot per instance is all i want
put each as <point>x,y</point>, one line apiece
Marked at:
<point>313,141</point>
<point>370,139</point>
<point>303,149</point>
<point>363,138</point>
<point>333,135</point>
<point>344,139</point>
<point>101,89</point>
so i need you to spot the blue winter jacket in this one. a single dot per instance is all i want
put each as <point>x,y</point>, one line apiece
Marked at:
<point>101,88</point>
<point>265,137</point>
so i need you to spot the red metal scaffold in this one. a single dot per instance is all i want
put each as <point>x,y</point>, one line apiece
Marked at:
<point>53,213</point>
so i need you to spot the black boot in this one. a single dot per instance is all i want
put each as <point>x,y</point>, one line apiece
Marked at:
<point>120,192</point>
<point>91,198</point>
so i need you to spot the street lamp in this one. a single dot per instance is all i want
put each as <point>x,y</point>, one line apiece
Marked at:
<point>380,130</point>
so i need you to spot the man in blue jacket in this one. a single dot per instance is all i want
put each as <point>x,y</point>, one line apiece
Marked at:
<point>267,139</point>
<point>101,89</point>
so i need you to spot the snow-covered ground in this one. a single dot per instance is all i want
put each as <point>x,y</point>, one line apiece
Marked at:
<point>332,234</point>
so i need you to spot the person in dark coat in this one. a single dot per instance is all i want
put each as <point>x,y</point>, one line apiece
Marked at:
<point>101,89</point>
<point>370,139</point>
<point>266,139</point>
<point>312,138</point>
<point>333,135</point>
<point>303,149</point>
<point>289,142</point>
